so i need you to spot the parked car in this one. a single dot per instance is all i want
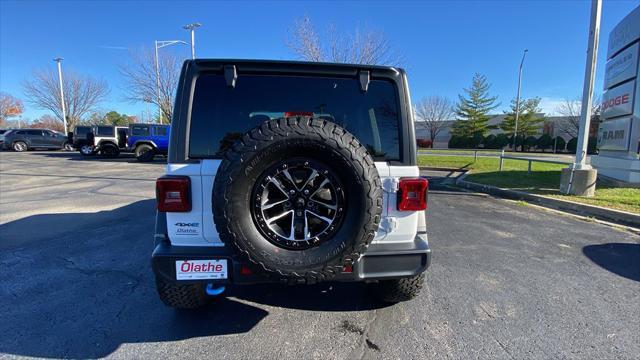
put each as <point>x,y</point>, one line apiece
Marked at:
<point>290,172</point>
<point>81,140</point>
<point>148,140</point>
<point>2,132</point>
<point>29,139</point>
<point>106,140</point>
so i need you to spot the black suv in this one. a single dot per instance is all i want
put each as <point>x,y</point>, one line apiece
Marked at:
<point>28,139</point>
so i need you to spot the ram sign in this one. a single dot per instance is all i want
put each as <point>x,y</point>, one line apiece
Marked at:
<point>614,134</point>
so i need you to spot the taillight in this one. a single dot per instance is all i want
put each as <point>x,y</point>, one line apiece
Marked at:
<point>173,194</point>
<point>412,194</point>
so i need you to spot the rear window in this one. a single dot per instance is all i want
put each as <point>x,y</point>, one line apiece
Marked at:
<point>140,130</point>
<point>105,131</point>
<point>220,114</point>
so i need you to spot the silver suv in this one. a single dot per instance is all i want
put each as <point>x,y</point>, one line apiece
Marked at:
<point>290,172</point>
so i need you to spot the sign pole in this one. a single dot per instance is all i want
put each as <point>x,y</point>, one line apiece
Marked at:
<point>587,92</point>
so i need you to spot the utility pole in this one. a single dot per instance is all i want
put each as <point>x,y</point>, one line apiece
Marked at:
<point>160,45</point>
<point>192,27</point>
<point>587,91</point>
<point>515,131</point>
<point>64,110</point>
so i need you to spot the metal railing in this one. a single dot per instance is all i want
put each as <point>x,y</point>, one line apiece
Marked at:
<point>532,160</point>
<point>529,160</point>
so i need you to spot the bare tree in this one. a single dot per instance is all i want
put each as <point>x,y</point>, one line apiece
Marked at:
<point>363,46</point>
<point>81,94</point>
<point>571,110</point>
<point>9,107</point>
<point>142,83</point>
<point>434,114</point>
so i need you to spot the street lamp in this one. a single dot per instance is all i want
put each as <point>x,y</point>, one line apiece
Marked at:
<point>192,27</point>
<point>515,131</point>
<point>64,110</point>
<point>159,44</point>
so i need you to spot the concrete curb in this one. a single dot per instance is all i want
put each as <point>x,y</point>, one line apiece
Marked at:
<point>614,216</point>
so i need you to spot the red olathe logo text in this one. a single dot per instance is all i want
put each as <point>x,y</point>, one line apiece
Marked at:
<point>208,267</point>
<point>618,100</point>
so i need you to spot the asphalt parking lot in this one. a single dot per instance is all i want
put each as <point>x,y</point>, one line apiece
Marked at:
<point>507,281</point>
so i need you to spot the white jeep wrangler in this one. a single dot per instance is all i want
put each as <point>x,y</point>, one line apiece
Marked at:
<point>290,172</point>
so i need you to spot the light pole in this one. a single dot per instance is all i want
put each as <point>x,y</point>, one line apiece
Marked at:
<point>159,45</point>
<point>64,110</point>
<point>192,27</point>
<point>515,130</point>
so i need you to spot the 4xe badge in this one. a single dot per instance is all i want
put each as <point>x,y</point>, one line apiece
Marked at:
<point>187,228</point>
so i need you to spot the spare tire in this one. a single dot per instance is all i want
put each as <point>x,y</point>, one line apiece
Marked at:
<point>298,196</point>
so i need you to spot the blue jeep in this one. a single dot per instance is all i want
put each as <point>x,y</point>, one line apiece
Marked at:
<point>148,140</point>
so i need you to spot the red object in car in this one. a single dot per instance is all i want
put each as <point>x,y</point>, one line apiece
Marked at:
<point>173,194</point>
<point>297,113</point>
<point>412,194</point>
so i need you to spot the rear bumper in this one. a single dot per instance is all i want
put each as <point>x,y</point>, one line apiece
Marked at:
<point>379,262</point>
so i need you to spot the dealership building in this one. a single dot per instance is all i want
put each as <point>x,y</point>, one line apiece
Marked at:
<point>551,126</point>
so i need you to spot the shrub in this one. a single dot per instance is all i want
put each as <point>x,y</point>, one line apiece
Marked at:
<point>519,142</point>
<point>475,141</point>
<point>489,142</point>
<point>454,142</point>
<point>424,143</point>
<point>530,142</point>
<point>560,143</point>
<point>572,145</point>
<point>544,142</point>
<point>502,140</point>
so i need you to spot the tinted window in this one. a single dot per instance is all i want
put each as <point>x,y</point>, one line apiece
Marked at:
<point>221,114</point>
<point>161,130</point>
<point>33,132</point>
<point>105,131</point>
<point>82,130</point>
<point>140,130</point>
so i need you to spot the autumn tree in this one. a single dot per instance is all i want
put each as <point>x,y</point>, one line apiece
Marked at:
<point>473,109</point>
<point>143,84</point>
<point>47,122</point>
<point>9,107</point>
<point>434,114</point>
<point>81,94</point>
<point>360,46</point>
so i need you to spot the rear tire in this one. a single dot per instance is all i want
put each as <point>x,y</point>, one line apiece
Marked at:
<point>144,153</point>
<point>109,151</point>
<point>20,146</point>
<point>398,290</point>
<point>188,296</point>
<point>86,150</point>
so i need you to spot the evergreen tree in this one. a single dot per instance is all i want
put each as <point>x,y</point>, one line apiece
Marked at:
<point>473,109</point>
<point>529,120</point>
